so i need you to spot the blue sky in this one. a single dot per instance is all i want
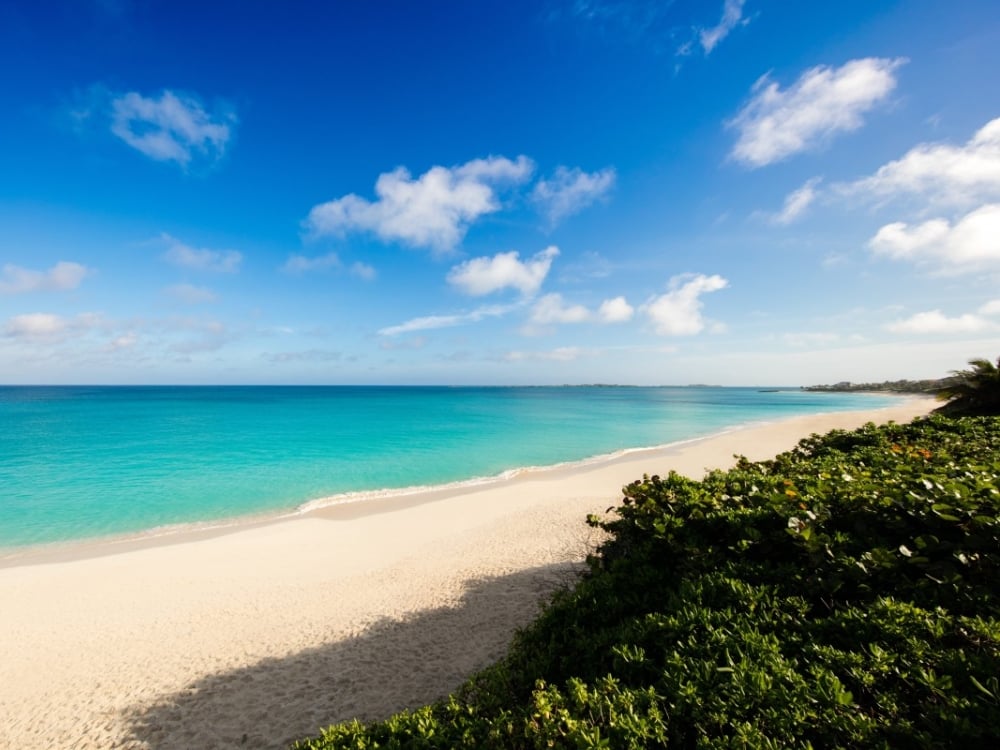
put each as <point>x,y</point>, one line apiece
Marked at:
<point>568,191</point>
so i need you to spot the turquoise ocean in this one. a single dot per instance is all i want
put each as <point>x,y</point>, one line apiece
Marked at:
<point>86,462</point>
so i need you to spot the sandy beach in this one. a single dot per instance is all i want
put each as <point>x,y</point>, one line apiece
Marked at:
<point>256,635</point>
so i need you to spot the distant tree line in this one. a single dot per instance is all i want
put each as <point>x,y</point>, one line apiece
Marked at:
<point>974,391</point>
<point>931,387</point>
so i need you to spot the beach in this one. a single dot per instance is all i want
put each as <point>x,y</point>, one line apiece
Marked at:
<point>258,634</point>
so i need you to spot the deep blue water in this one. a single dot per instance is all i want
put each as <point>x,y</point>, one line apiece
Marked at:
<point>83,462</point>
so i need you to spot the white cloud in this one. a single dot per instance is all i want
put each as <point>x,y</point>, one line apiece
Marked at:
<point>430,322</point>
<point>172,128</point>
<point>797,202</point>
<point>434,210</point>
<point>824,101</point>
<point>732,15</point>
<point>616,310</point>
<point>35,325</point>
<point>302,263</point>
<point>48,326</point>
<point>63,276</point>
<point>971,244</point>
<point>678,312</point>
<point>201,259</point>
<point>363,271</point>
<point>990,308</point>
<point>480,276</point>
<point>945,174</point>
<point>934,321</point>
<point>569,191</point>
<point>552,309</point>
<point>190,294</point>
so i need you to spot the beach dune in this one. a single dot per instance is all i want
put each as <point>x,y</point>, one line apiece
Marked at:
<point>258,634</point>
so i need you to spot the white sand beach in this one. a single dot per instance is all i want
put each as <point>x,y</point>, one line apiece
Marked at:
<point>257,635</point>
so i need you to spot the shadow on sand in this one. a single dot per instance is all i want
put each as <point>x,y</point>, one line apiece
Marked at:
<point>393,665</point>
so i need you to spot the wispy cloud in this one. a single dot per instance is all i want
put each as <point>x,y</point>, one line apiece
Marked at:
<point>309,355</point>
<point>678,312</point>
<point>481,276</point>
<point>796,203</point>
<point>301,264</point>
<point>968,245</point>
<point>363,271</point>
<point>174,127</point>
<point>776,124</point>
<point>935,322</point>
<point>63,276</point>
<point>434,210</point>
<point>200,259</point>
<point>190,294</point>
<point>732,16</point>
<point>559,354</point>
<point>305,264</point>
<point>569,191</point>
<point>48,327</point>
<point>430,322</point>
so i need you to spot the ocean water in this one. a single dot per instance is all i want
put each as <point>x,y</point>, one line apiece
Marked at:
<point>85,462</point>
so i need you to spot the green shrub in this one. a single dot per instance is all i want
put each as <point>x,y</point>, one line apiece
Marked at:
<point>843,594</point>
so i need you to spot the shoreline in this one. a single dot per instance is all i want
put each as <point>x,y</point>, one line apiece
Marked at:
<point>260,635</point>
<point>79,549</point>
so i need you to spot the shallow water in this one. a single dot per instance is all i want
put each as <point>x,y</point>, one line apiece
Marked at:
<point>85,462</point>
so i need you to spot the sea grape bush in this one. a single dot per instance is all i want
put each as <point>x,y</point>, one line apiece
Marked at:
<point>843,594</point>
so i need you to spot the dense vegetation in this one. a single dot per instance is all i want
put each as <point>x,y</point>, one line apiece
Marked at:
<point>844,594</point>
<point>929,387</point>
<point>974,391</point>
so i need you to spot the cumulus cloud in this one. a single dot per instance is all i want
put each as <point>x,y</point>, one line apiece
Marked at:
<point>678,312</point>
<point>190,294</point>
<point>430,322</point>
<point>968,245</point>
<point>552,309</point>
<point>63,276</point>
<point>823,102</point>
<point>200,259</point>
<point>303,264</point>
<point>173,127</point>
<point>945,174</point>
<point>434,210</point>
<point>934,321</point>
<point>616,310</point>
<point>481,276</point>
<point>732,16</point>
<point>797,202</point>
<point>569,191</point>
<point>990,308</point>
